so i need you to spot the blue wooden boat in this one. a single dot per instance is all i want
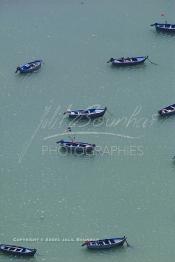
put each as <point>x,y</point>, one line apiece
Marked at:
<point>167,28</point>
<point>105,243</point>
<point>167,111</point>
<point>17,250</point>
<point>87,113</point>
<point>78,147</point>
<point>129,61</point>
<point>29,67</point>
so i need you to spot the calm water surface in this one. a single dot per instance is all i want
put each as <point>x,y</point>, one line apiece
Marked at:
<point>51,201</point>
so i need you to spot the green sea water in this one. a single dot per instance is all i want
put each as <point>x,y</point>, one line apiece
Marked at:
<point>52,201</point>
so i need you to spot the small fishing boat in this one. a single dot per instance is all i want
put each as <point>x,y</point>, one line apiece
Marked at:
<point>169,28</point>
<point>29,67</point>
<point>78,147</point>
<point>127,61</point>
<point>87,113</point>
<point>105,243</point>
<point>167,111</point>
<point>17,250</point>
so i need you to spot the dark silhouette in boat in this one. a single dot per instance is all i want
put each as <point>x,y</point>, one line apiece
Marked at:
<point>87,113</point>
<point>165,27</point>
<point>127,61</point>
<point>167,111</point>
<point>29,67</point>
<point>77,147</point>
<point>106,243</point>
<point>17,250</point>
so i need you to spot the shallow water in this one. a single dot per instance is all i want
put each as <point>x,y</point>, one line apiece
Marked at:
<point>53,201</point>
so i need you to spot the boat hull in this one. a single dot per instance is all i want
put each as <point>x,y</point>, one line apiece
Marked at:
<point>92,116</point>
<point>136,61</point>
<point>15,250</point>
<point>162,114</point>
<point>29,67</point>
<point>22,71</point>
<point>164,28</point>
<point>106,247</point>
<point>167,111</point>
<point>127,64</point>
<point>86,114</point>
<point>105,243</point>
<point>77,147</point>
<point>77,150</point>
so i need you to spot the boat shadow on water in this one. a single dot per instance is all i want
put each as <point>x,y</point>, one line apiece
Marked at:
<point>158,34</point>
<point>163,118</point>
<point>26,78</point>
<point>116,250</point>
<point>19,258</point>
<point>167,118</point>
<point>28,74</point>
<point>173,161</point>
<point>165,33</point>
<point>129,68</point>
<point>72,153</point>
<point>84,122</point>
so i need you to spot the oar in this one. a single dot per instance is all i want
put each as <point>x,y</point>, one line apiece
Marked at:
<point>68,110</point>
<point>151,62</point>
<point>69,130</point>
<point>85,243</point>
<point>110,60</point>
<point>128,245</point>
<point>17,69</point>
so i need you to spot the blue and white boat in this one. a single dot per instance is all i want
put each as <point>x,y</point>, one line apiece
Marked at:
<point>165,27</point>
<point>129,61</point>
<point>105,243</point>
<point>77,147</point>
<point>17,250</point>
<point>86,113</point>
<point>29,67</point>
<point>167,111</point>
